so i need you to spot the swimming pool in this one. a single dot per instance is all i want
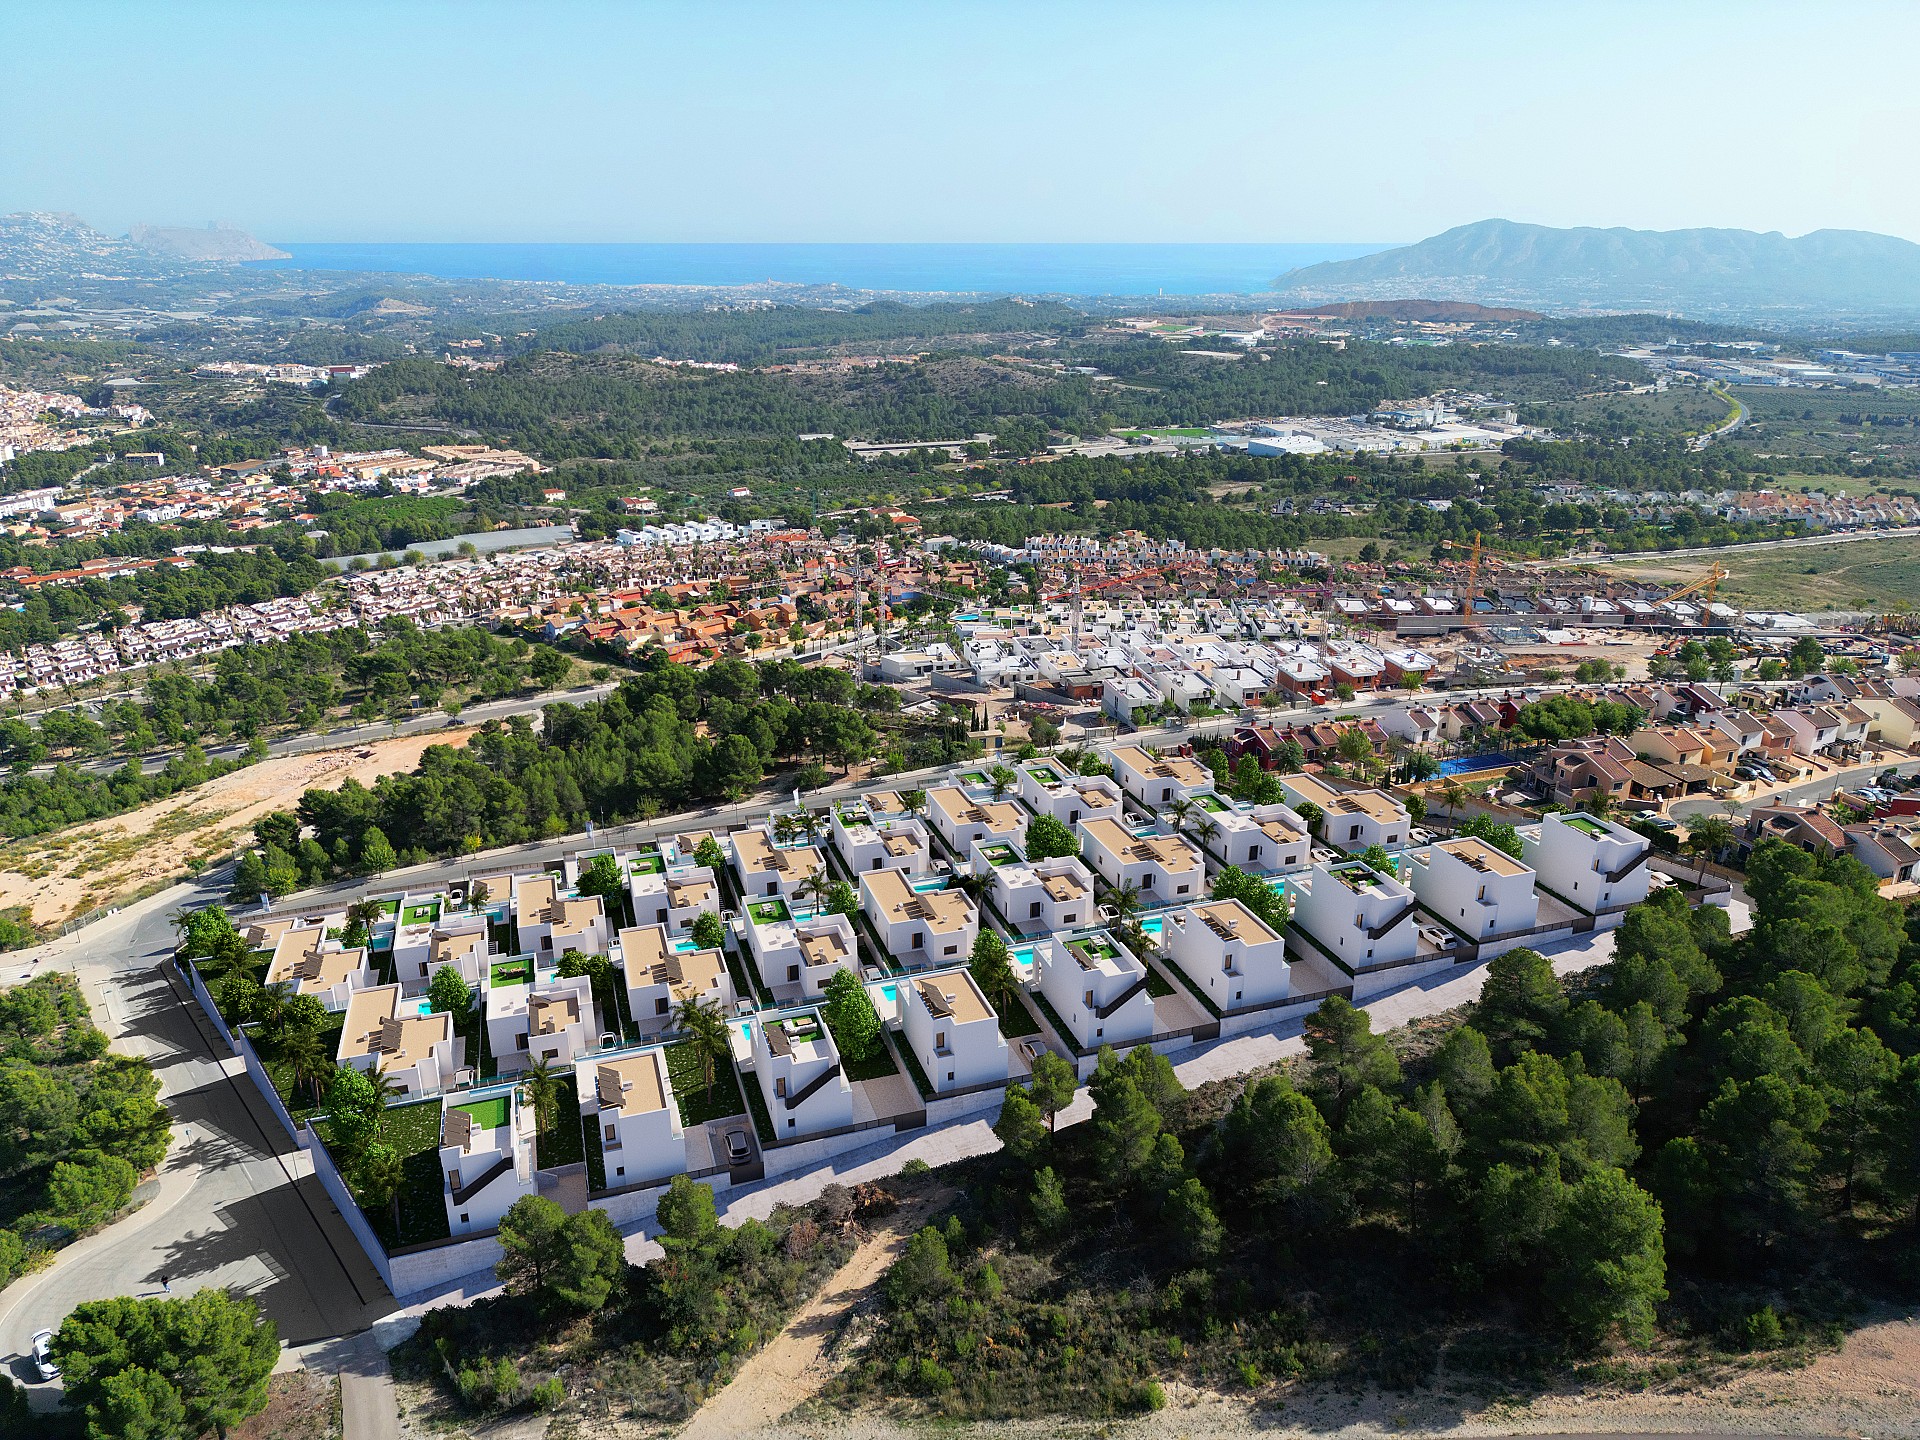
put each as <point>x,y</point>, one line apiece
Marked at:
<point>892,992</point>
<point>929,884</point>
<point>685,947</point>
<point>1153,924</point>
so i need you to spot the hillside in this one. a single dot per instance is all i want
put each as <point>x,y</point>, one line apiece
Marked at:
<point>1445,312</point>
<point>213,243</point>
<point>1703,271</point>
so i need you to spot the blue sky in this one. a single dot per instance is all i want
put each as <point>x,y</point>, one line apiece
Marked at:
<point>957,120</point>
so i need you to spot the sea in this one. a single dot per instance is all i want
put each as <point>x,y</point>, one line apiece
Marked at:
<point>1081,270</point>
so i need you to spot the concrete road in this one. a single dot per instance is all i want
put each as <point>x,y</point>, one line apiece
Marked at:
<point>234,1204</point>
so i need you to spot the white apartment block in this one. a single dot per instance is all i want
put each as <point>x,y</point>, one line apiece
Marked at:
<point>672,895</point>
<point>1155,780</point>
<point>486,1158</point>
<point>459,941</point>
<point>418,1052</point>
<point>1477,889</point>
<point>550,924</point>
<point>797,1066</point>
<point>961,820</point>
<point>768,867</point>
<point>1264,840</point>
<point>1230,953</point>
<point>1592,864</point>
<point>661,975</point>
<point>308,963</point>
<point>886,842</point>
<point>920,928</point>
<point>1098,989</point>
<point>953,1031</point>
<point>1165,868</point>
<point>1037,896</point>
<point>1351,819</point>
<point>629,1099</point>
<point>796,958</point>
<point>1363,919</point>
<point>1049,789</point>
<point>551,1019</point>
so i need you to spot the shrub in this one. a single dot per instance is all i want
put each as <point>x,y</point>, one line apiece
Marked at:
<point>916,1166</point>
<point>549,1394</point>
<point>1762,1329</point>
<point>1149,1395</point>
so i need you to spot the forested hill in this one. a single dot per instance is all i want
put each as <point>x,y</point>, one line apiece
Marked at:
<point>762,337</point>
<point>564,406</point>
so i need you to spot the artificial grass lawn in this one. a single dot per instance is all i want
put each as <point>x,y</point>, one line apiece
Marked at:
<point>769,912</point>
<point>1157,984</point>
<point>512,972</point>
<point>690,1090</point>
<point>421,914</point>
<point>489,1114</point>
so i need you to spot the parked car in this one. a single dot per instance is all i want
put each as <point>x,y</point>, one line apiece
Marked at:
<point>739,1147</point>
<point>43,1356</point>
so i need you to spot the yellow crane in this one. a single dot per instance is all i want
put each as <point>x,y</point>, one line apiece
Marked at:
<point>1704,586</point>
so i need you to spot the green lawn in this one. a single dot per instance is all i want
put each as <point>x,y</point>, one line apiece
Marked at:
<point>769,912</point>
<point>512,972</point>
<point>1016,1020</point>
<point>414,1131</point>
<point>421,914</point>
<point>690,1088</point>
<point>562,1145</point>
<point>1157,984</point>
<point>877,1066</point>
<point>489,1114</point>
<point>297,1101</point>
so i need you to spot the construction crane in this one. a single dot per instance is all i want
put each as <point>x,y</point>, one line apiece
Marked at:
<point>1705,586</point>
<point>1473,575</point>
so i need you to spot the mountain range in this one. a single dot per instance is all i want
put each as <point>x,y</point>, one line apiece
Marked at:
<point>1703,272</point>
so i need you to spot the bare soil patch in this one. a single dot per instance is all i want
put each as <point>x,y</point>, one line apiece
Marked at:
<point>300,1406</point>
<point>72,871</point>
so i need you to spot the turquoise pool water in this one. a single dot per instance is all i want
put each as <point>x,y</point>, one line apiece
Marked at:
<point>892,992</point>
<point>685,947</point>
<point>1153,924</point>
<point>928,885</point>
<point>1021,955</point>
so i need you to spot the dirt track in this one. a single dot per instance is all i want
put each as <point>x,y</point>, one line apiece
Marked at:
<point>794,1365</point>
<point>71,871</point>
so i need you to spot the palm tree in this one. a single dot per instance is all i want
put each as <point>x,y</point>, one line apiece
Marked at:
<point>783,828</point>
<point>706,1031</point>
<point>1707,836</point>
<point>915,801</point>
<point>1454,795</point>
<point>816,887</point>
<point>1179,810</point>
<point>1205,828</point>
<point>1002,779</point>
<point>379,1177</point>
<point>385,1087</point>
<point>543,1090</point>
<point>1125,901</point>
<point>307,1058</point>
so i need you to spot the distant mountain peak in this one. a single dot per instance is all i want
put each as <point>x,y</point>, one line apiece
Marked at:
<point>1705,271</point>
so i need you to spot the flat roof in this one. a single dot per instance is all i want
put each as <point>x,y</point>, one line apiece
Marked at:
<point>898,900</point>
<point>636,1084</point>
<point>953,995</point>
<point>1482,856</point>
<point>1232,920</point>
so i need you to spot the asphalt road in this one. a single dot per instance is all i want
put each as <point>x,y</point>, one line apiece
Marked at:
<point>1812,790</point>
<point>234,1204</point>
